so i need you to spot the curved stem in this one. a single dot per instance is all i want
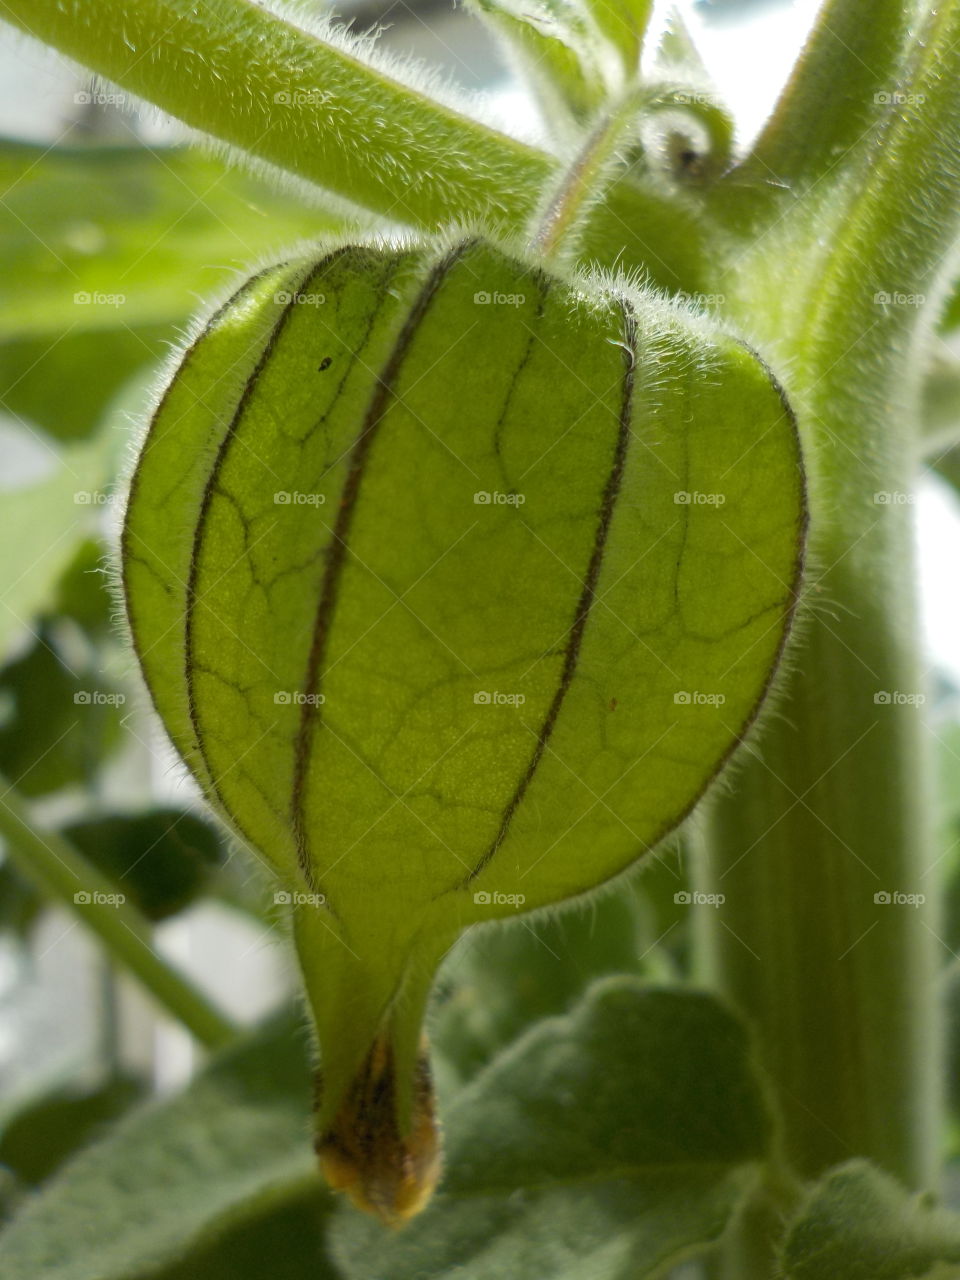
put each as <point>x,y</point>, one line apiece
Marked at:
<point>582,185</point>
<point>61,871</point>
<point>838,92</point>
<point>579,185</point>
<point>307,105</point>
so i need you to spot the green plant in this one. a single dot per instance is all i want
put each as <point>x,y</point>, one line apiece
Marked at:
<point>600,307</point>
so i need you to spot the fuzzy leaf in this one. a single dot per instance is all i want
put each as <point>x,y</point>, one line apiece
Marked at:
<point>170,1172</point>
<point>860,1224</point>
<point>557,48</point>
<point>604,1143</point>
<point>37,1139</point>
<point>500,981</point>
<point>624,23</point>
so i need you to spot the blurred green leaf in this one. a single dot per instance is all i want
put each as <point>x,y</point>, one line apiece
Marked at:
<point>283,1242</point>
<point>859,1224</point>
<point>557,47</point>
<point>20,902</point>
<point>38,1139</point>
<point>41,526</point>
<point>117,238</point>
<point>55,724</point>
<point>502,980</point>
<point>233,1144</point>
<point>624,23</point>
<point>65,382</point>
<point>83,592</point>
<point>677,47</point>
<point>162,860</point>
<point>603,1143</point>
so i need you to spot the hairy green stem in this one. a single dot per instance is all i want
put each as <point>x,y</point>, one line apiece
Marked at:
<point>838,93</point>
<point>831,808</point>
<point>312,107</point>
<point>584,182</point>
<point>63,872</point>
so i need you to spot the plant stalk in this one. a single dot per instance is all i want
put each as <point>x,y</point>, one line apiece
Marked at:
<point>309,105</point>
<point>831,806</point>
<point>61,871</point>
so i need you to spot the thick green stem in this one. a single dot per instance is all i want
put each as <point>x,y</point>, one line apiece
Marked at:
<point>61,871</point>
<point>310,106</point>
<point>245,75</point>
<point>831,809</point>
<point>840,89</point>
